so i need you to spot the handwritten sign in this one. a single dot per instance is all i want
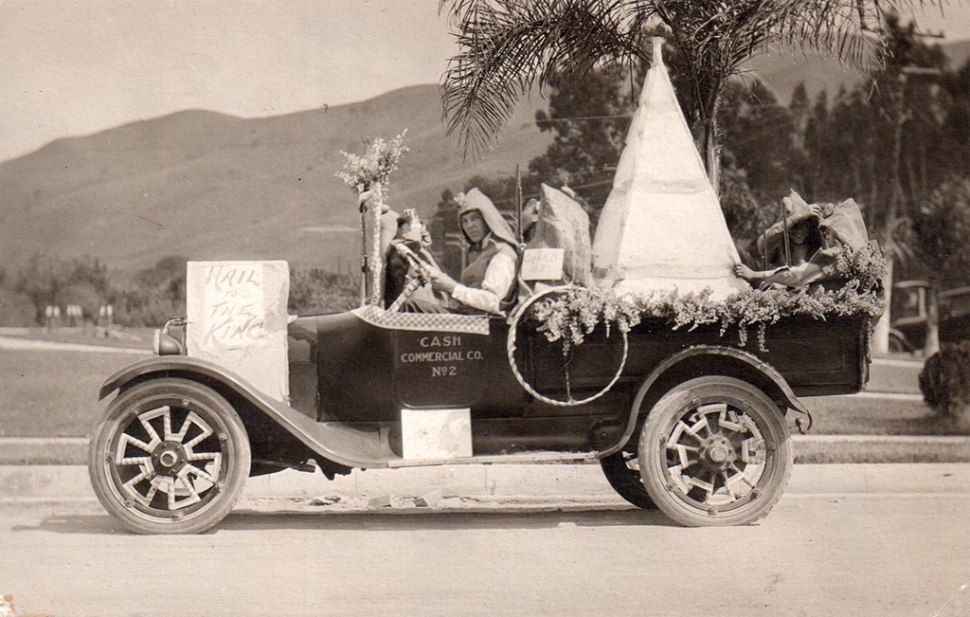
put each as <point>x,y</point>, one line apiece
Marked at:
<point>542,264</point>
<point>237,318</point>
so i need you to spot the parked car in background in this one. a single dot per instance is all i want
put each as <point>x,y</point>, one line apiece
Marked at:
<point>909,315</point>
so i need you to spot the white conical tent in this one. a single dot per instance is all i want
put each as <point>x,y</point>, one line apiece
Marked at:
<point>662,227</point>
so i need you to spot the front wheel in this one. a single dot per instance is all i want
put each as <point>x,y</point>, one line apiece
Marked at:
<point>169,456</point>
<point>715,451</point>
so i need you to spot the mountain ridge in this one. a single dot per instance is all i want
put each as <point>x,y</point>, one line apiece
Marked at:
<point>208,185</point>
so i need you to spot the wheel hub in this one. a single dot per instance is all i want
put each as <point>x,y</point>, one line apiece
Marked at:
<point>169,458</point>
<point>717,453</point>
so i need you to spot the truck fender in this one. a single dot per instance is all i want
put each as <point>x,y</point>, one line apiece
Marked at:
<point>701,360</point>
<point>175,366</point>
<point>226,382</point>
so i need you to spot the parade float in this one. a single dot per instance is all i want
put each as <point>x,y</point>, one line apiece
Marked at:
<point>640,350</point>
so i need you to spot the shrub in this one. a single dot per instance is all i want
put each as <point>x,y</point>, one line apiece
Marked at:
<point>314,291</point>
<point>945,380</point>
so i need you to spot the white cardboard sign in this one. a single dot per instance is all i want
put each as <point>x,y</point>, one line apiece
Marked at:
<point>237,318</point>
<point>542,264</point>
<point>436,433</point>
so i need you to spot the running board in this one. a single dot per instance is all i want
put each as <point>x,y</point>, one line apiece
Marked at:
<point>501,459</point>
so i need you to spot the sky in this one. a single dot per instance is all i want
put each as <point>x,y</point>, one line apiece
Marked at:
<point>77,67</point>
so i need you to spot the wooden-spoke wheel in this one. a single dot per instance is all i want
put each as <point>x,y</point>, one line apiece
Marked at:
<point>622,471</point>
<point>169,456</point>
<point>715,451</point>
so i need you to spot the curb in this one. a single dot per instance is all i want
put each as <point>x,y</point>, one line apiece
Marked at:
<point>828,449</point>
<point>464,486</point>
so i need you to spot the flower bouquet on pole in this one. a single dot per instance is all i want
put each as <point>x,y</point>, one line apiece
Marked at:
<point>368,175</point>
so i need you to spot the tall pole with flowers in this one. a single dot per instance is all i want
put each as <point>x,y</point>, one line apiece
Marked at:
<point>368,176</point>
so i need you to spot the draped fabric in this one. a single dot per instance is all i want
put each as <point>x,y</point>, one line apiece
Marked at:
<point>662,227</point>
<point>563,224</point>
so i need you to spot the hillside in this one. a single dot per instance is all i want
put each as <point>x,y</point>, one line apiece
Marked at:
<point>210,186</point>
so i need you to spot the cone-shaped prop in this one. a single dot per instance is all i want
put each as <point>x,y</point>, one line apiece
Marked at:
<point>662,227</point>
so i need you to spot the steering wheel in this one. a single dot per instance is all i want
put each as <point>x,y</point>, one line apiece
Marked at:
<point>417,275</point>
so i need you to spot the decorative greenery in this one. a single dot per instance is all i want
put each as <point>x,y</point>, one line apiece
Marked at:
<point>574,314</point>
<point>372,169</point>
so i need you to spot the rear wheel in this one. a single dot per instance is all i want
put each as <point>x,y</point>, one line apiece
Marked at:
<point>715,451</point>
<point>622,471</point>
<point>169,456</point>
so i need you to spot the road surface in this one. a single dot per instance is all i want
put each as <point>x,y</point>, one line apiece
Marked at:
<point>817,554</point>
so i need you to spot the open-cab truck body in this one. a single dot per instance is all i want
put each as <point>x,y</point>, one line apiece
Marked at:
<point>693,423</point>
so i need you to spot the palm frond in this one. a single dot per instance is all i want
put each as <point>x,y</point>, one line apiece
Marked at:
<point>512,47</point>
<point>506,47</point>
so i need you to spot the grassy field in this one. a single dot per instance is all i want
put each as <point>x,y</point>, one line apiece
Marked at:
<point>54,393</point>
<point>133,338</point>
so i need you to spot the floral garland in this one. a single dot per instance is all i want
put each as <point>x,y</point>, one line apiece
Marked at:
<point>574,314</point>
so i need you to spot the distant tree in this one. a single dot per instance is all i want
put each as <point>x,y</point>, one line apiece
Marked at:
<point>589,120</point>
<point>941,231</point>
<point>745,216</point>
<point>445,243</point>
<point>167,277</point>
<point>41,279</point>
<point>760,135</point>
<point>49,280</point>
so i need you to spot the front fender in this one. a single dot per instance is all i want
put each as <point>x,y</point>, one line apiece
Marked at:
<point>317,437</point>
<point>702,359</point>
<point>172,366</point>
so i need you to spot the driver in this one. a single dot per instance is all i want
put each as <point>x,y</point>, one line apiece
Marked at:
<point>489,278</point>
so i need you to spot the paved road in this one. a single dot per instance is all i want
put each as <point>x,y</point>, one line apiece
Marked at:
<point>899,545</point>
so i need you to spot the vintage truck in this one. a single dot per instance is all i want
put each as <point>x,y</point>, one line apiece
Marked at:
<point>693,424</point>
<point>683,419</point>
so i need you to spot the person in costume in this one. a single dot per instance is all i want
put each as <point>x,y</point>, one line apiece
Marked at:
<point>839,227</point>
<point>804,237</point>
<point>489,278</point>
<point>411,240</point>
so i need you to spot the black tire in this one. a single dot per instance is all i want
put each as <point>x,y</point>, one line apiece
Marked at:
<point>169,456</point>
<point>715,451</point>
<point>622,471</point>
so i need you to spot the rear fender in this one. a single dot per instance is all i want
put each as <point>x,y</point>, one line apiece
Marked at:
<point>708,360</point>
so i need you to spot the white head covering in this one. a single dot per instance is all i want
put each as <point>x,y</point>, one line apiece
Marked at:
<point>476,200</point>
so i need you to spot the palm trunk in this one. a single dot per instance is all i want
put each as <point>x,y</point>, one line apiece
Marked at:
<point>712,161</point>
<point>364,267</point>
<point>880,341</point>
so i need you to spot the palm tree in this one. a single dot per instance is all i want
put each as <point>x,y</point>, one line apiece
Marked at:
<point>507,47</point>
